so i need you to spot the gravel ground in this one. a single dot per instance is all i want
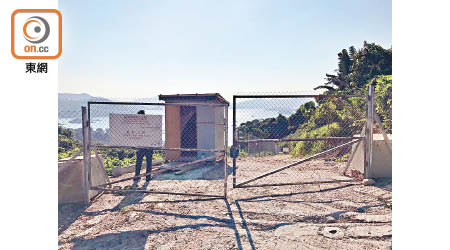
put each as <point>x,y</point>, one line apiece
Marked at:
<point>314,216</point>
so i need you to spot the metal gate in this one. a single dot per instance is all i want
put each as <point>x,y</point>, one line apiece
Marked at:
<point>175,135</point>
<point>277,141</point>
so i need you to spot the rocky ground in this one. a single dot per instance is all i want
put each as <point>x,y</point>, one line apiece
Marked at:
<point>343,215</point>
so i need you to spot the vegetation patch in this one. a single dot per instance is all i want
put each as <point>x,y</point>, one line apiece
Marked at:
<point>334,117</point>
<point>68,146</point>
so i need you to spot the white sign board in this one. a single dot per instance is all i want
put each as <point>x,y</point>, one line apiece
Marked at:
<point>135,130</point>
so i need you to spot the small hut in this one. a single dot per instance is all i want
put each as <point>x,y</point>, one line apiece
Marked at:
<point>194,126</point>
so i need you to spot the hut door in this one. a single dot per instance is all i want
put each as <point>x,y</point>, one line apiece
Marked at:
<point>188,120</point>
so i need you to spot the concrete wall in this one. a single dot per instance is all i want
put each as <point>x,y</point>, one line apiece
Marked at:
<point>260,147</point>
<point>173,136</point>
<point>381,158</point>
<point>70,179</point>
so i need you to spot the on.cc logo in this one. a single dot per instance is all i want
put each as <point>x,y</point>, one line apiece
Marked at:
<point>36,29</point>
<point>36,34</point>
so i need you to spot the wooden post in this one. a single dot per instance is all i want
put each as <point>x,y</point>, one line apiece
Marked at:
<point>369,134</point>
<point>353,153</point>
<point>86,154</point>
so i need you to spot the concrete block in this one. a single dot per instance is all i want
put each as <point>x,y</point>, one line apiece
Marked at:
<point>70,179</point>
<point>381,157</point>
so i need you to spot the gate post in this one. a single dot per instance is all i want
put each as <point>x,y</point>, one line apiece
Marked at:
<point>369,133</point>
<point>86,154</point>
<point>225,152</point>
<point>234,142</point>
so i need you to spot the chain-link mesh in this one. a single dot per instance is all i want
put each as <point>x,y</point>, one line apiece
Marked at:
<point>182,145</point>
<point>274,131</point>
<point>69,132</point>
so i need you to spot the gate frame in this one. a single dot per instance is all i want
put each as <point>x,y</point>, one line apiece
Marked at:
<point>88,146</point>
<point>367,138</point>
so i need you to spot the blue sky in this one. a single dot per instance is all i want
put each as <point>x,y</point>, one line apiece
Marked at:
<point>135,49</point>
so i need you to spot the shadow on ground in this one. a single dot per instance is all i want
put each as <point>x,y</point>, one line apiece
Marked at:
<point>68,214</point>
<point>200,171</point>
<point>385,183</point>
<point>137,239</point>
<point>273,197</point>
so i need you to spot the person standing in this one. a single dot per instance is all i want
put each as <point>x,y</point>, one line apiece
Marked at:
<point>140,153</point>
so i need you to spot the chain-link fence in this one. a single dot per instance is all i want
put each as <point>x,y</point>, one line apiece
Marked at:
<point>170,148</point>
<point>70,135</point>
<point>294,139</point>
<point>277,140</point>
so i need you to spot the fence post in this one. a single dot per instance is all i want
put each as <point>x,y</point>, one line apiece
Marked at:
<point>369,133</point>
<point>225,153</point>
<point>234,141</point>
<point>86,154</point>
<point>89,130</point>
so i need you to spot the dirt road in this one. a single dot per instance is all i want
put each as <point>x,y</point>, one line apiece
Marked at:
<point>325,216</point>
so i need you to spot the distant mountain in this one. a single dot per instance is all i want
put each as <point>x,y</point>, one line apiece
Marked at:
<point>69,105</point>
<point>74,97</point>
<point>148,100</point>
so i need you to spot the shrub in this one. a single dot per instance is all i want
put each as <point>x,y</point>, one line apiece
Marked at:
<point>306,148</point>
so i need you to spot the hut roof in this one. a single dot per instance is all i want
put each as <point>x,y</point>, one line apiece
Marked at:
<point>194,97</point>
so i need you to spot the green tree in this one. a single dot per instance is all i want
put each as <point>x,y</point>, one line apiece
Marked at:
<point>342,117</point>
<point>67,145</point>
<point>383,99</point>
<point>357,68</point>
